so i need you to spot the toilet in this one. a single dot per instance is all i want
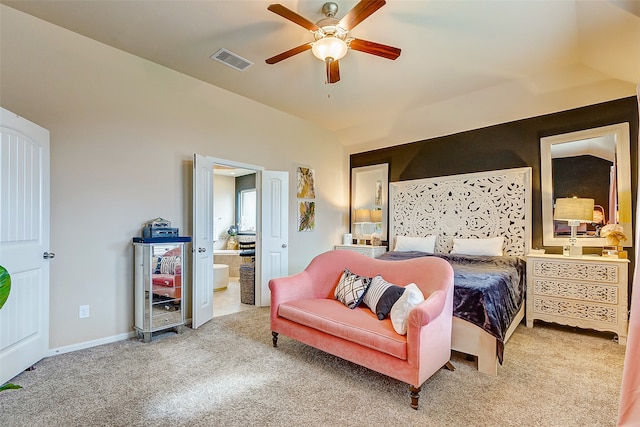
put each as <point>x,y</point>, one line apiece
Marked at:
<point>220,276</point>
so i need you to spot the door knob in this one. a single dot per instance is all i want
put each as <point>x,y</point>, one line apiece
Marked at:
<point>284,245</point>
<point>48,255</point>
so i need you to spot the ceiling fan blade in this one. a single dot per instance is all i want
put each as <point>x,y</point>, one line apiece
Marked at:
<point>373,48</point>
<point>293,17</point>
<point>360,12</point>
<point>289,53</point>
<point>333,72</point>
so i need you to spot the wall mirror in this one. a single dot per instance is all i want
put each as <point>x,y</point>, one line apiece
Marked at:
<point>369,201</point>
<point>595,164</point>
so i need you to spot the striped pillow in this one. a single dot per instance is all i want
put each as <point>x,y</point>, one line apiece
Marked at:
<point>168,264</point>
<point>381,296</point>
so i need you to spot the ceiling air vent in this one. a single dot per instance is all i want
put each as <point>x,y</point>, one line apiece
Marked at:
<point>231,59</point>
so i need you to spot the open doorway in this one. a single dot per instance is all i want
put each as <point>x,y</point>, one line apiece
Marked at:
<point>271,234</point>
<point>235,195</point>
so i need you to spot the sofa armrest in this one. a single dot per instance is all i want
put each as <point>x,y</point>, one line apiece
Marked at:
<point>429,328</point>
<point>290,288</point>
<point>427,310</point>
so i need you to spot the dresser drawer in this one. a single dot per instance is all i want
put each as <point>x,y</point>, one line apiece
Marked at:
<point>579,311</point>
<point>584,291</point>
<point>368,250</point>
<point>589,271</point>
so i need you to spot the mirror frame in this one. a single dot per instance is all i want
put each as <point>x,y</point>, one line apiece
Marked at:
<point>383,168</point>
<point>623,172</point>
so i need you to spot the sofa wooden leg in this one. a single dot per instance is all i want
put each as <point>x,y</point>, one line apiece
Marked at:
<point>275,338</point>
<point>450,366</point>
<point>415,395</point>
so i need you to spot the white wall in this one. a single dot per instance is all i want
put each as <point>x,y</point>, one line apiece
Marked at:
<point>224,208</point>
<point>123,134</point>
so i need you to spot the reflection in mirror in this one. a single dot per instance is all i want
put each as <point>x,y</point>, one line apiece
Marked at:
<point>369,205</point>
<point>594,164</point>
<point>247,210</point>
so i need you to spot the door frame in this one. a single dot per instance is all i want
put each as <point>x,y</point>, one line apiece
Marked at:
<point>27,259</point>
<point>258,260</point>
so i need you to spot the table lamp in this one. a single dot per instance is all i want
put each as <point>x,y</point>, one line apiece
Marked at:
<point>376,218</point>
<point>575,211</point>
<point>362,216</point>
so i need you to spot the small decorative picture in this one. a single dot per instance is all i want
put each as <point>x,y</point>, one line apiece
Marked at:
<point>378,193</point>
<point>306,216</point>
<point>306,184</point>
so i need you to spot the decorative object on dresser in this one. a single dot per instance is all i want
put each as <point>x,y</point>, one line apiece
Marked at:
<point>451,210</point>
<point>368,250</point>
<point>376,240</point>
<point>347,239</point>
<point>575,211</point>
<point>588,292</point>
<point>159,227</point>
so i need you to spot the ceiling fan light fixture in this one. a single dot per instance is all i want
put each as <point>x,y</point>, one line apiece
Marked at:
<point>329,47</point>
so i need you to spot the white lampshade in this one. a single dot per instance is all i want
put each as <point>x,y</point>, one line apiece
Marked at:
<point>376,215</point>
<point>329,47</point>
<point>574,209</point>
<point>363,215</point>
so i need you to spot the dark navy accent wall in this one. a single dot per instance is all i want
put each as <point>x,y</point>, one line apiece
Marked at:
<point>504,146</point>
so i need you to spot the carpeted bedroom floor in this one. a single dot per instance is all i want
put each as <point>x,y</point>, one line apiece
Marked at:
<point>227,373</point>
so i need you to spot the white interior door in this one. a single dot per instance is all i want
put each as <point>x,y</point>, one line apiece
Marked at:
<point>202,285</point>
<point>274,244</point>
<point>24,239</point>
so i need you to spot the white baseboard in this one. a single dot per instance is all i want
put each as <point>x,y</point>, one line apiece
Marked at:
<point>89,344</point>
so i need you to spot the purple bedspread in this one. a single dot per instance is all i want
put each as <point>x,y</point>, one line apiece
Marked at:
<point>488,291</point>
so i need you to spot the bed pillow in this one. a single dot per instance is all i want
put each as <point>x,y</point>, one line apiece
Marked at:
<point>399,315</point>
<point>421,244</point>
<point>351,288</point>
<point>491,246</point>
<point>381,296</point>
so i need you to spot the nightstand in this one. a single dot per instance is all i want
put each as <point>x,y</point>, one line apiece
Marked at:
<point>588,292</point>
<point>368,250</point>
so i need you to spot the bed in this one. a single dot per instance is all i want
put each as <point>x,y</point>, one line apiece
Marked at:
<point>489,292</point>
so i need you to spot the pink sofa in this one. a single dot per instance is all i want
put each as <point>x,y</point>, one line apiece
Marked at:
<point>303,307</point>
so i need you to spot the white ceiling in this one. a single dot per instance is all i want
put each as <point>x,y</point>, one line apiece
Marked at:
<point>464,64</point>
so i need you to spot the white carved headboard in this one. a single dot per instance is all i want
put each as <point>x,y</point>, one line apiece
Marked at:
<point>474,205</point>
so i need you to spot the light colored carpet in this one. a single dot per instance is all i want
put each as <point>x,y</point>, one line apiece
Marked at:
<point>227,373</point>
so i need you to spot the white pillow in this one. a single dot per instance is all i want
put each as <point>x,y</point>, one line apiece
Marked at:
<point>421,244</point>
<point>399,315</point>
<point>491,246</point>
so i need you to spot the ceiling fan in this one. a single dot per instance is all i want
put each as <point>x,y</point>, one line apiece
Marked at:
<point>331,35</point>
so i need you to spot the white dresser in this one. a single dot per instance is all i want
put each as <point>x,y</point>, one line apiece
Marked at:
<point>587,292</point>
<point>368,250</point>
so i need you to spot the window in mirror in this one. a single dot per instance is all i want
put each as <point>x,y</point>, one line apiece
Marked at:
<point>247,210</point>
<point>594,164</point>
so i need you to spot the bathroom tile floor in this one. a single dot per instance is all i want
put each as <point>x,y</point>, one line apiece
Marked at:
<point>227,301</point>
